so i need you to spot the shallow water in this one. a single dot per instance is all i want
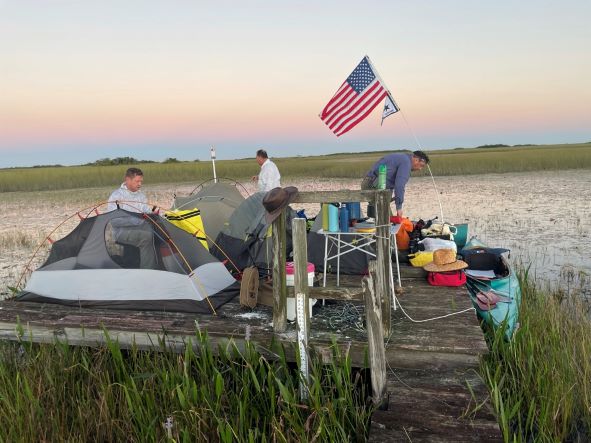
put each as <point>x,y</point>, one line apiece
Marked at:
<point>543,217</point>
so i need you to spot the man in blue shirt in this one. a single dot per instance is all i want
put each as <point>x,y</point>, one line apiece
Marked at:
<point>398,168</point>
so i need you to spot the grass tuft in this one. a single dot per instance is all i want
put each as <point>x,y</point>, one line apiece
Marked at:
<point>62,393</point>
<point>540,382</point>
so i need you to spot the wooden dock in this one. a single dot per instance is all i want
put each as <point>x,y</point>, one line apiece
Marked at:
<point>424,374</point>
<point>431,367</point>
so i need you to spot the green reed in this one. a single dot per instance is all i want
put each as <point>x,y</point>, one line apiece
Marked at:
<point>62,393</point>
<point>540,382</point>
<point>354,166</point>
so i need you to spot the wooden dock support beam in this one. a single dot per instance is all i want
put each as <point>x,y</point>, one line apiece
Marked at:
<point>302,301</point>
<point>279,286</point>
<point>375,337</point>
<point>383,259</point>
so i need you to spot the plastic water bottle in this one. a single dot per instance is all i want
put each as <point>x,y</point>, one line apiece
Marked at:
<point>333,218</point>
<point>325,217</point>
<point>382,177</point>
<point>344,218</point>
<point>354,210</point>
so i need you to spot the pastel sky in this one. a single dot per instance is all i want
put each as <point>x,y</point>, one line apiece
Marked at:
<point>83,80</point>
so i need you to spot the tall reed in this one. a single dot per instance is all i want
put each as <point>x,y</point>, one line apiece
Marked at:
<point>540,382</point>
<point>62,393</point>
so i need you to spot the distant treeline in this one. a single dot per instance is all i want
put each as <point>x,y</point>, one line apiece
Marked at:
<point>129,161</point>
<point>107,162</point>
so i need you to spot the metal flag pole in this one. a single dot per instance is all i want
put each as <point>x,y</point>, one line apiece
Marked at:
<point>375,71</point>
<point>212,155</point>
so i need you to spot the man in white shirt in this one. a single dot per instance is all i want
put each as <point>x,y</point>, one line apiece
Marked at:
<point>131,230</point>
<point>269,177</point>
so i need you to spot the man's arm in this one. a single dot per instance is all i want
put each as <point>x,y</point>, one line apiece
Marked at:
<point>402,176</point>
<point>115,195</point>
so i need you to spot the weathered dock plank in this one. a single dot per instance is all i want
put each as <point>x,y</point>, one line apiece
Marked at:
<point>429,365</point>
<point>435,392</point>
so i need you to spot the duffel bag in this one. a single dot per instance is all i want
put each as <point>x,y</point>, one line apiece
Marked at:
<point>449,278</point>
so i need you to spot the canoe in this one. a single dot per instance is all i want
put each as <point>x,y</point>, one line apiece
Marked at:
<point>492,285</point>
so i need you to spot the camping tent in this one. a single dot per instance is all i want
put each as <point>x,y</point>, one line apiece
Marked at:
<point>126,260</point>
<point>246,240</point>
<point>216,202</point>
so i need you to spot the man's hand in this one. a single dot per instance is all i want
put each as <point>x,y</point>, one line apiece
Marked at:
<point>254,178</point>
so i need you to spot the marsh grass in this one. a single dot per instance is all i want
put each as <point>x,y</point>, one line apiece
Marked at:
<point>18,239</point>
<point>540,382</point>
<point>444,162</point>
<point>62,393</point>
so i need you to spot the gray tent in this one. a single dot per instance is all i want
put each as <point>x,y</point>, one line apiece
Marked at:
<point>99,265</point>
<point>216,202</point>
<point>246,240</point>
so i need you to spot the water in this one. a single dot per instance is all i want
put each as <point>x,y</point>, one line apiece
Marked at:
<point>544,218</point>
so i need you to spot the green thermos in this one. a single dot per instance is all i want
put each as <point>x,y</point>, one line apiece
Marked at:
<point>382,177</point>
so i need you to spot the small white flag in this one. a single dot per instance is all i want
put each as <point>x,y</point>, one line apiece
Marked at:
<point>390,107</point>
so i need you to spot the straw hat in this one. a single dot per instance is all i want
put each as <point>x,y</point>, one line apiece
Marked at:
<point>277,199</point>
<point>445,260</point>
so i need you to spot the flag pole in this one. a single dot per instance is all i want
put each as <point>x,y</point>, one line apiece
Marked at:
<point>375,71</point>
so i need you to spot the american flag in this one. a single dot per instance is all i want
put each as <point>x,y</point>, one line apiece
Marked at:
<point>354,100</point>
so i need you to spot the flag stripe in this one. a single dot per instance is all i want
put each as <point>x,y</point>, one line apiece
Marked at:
<point>360,103</point>
<point>347,93</point>
<point>338,111</point>
<point>343,89</point>
<point>351,104</point>
<point>355,99</point>
<point>365,114</point>
<point>370,103</point>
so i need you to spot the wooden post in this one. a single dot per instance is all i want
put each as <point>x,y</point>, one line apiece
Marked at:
<point>302,303</point>
<point>279,288</point>
<point>383,259</point>
<point>375,336</point>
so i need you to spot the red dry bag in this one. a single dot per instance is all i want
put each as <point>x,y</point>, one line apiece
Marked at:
<point>449,278</point>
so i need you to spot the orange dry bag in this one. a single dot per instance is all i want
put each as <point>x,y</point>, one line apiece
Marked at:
<point>402,237</point>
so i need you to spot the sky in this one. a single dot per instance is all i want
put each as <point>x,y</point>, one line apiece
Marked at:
<point>83,80</point>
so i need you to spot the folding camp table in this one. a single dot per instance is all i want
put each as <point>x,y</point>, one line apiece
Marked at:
<point>339,239</point>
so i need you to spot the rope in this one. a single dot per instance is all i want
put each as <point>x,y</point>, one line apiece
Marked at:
<point>249,287</point>
<point>397,300</point>
<point>430,173</point>
<point>436,192</point>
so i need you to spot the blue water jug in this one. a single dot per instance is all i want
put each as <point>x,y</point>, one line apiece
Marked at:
<point>354,210</point>
<point>344,217</point>
<point>333,218</point>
